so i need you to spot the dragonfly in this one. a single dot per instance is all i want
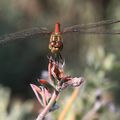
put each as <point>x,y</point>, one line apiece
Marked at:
<point>56,41</point>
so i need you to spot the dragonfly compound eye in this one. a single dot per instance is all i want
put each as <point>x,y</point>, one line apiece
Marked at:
<point>59,44</point>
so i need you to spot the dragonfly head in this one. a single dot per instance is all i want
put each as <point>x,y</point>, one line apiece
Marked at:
<point>56,44</point>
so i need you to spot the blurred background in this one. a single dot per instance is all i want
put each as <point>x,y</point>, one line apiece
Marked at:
<point>95,57</point>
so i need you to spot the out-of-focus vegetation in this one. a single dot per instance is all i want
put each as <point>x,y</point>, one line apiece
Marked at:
<point>96,57</point>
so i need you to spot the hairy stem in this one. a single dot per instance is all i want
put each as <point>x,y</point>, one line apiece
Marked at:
<point>42,115</point>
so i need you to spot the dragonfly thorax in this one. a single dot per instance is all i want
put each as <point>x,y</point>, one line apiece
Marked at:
<point>55,44</point>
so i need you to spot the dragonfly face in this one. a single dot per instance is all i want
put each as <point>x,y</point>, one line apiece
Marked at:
<point>56,44</point>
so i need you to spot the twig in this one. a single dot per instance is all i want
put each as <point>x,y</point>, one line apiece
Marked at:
<point>69,103</point>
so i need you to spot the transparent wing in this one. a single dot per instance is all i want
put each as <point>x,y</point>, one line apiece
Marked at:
<point>99,31</point>
<point>24,34</point>
<point>93,28</point>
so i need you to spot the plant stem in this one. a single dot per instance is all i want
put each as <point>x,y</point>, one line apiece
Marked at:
<point>42,115</point>
<point>69,103</point>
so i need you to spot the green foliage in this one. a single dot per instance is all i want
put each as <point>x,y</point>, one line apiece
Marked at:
<point>97,100</point>
<point>18,110</point>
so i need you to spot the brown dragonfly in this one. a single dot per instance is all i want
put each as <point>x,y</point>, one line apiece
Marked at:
<point>56,42</point>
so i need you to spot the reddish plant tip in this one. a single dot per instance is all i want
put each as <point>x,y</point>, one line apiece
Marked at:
<point>57,27</point>
<point>42,81</point>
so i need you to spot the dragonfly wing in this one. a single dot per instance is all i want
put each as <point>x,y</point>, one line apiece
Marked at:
<point>79,28</point>
<point>99,31</point>
<point>24,34</point>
